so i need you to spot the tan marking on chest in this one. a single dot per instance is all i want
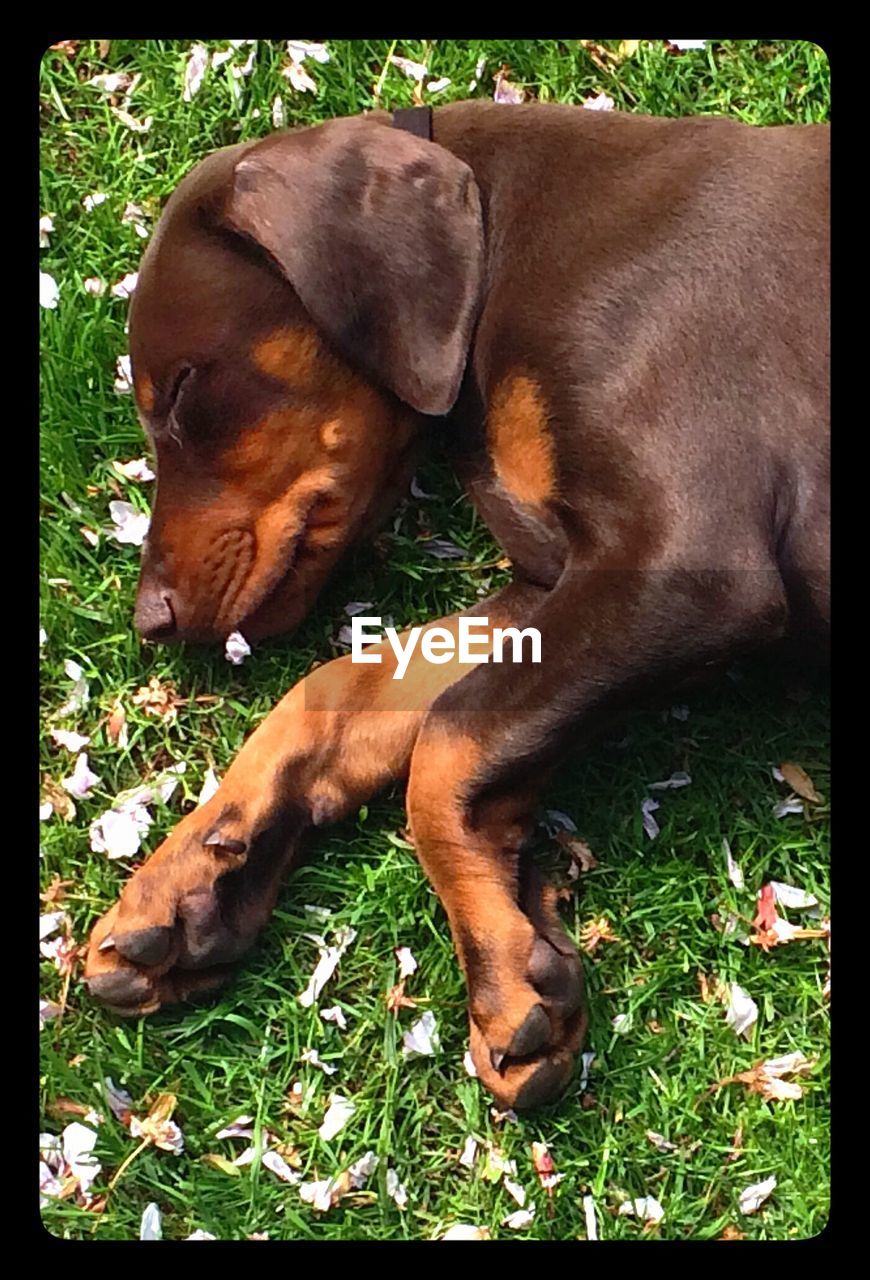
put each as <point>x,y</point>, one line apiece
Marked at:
<point>520,441</point>
<point>145,393</point>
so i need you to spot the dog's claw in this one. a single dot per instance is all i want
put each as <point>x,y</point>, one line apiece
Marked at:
<point>107,944</point>
<point>145,946</point>
<point>496,1059</point>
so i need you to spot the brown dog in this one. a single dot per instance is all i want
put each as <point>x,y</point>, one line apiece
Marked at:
<point>624,320</point>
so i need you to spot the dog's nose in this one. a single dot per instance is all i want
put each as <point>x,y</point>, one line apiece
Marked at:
<point>154,617</point>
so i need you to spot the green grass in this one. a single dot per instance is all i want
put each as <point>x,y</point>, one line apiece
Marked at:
<point>242,1053</point>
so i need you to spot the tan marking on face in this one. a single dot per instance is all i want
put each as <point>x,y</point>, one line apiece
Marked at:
<point>332,435</point>
<point>145,393</point>
<point>520,441</point>
<point>288,354</point>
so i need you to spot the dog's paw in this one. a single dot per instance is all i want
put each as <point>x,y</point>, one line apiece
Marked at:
<point>183,918</point>
<point>525,1057</point>
<point>528,1026</point>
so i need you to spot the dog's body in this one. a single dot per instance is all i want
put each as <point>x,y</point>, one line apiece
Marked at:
<point>625,320</point>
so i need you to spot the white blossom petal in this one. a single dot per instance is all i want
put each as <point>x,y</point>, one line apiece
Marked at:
<point>236,648</point>
<point>688,44</point>
<point>522,1218</point>
<point>94,286</point>
<point>48,291</point>
<point>299,50</point>
<point>395,1190</point>
<point>334,1015</point>
<point>123,384</point>
<point>151,1227</point>
<point>465,1231</point>
<point>275,1164</point>
<point>200,1235</point>
<point>407,962</point>
<point>46,226</point>
<point>312,1057</point>
<point>70,740</point>
<point>422,1039</point>
<point>735,875</point>
<point>789,896</point>
<point>647,809</point>
<point>126,286</point>
<point>645,1207</point>
<point>81,781</point>
<point>94,200</point>
<point>340,1111</point>
<point>590,1217</point>
<point>673,783</point>
<point>752,1198</point>
<point>602,102</point>
<point>469,1152</point>
<point>326,965</point>
<point>77,1141</point>
<point>413,70</point>
<point>742,1010</point>
<point>194,71</point>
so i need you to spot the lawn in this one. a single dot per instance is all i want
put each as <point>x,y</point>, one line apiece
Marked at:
<point>648,911</point>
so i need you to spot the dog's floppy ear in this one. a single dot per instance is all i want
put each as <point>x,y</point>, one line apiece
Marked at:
<point>380,234</point>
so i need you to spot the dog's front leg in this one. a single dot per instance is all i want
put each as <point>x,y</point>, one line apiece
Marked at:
<point>342,734</point>
<point>475,773</point>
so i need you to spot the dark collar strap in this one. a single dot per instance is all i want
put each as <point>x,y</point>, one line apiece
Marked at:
<point>416,120</point>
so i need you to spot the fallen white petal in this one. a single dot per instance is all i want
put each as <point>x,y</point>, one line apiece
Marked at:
<point>131,526</point>
<point>688,44</point>
<point>357,606</point>
<point>241,1127</point>
<point>92,201</point>
<point>516,1221</point>
<point>123,384</point>
<point>646,1207</point>
<point>299,78</point>
<point>126,286</point>
<point>622,1023</point>
<point>788,1064</point>
<point>130,122</point>
<point>735,875</point>
<point>600,103</point>
<point>586,1059</point>
<point>113,82</point>
<point>327,965</point>
<point>334,1015</point>
<point>591,1219</point>
<point>247,1157</point>
<point>82,780</point>
<point>514,1189</point>
<point>49,1184</point>
<point>742,1009</point>
<point>209,786</point>
<point>413,70</point>
<point>77,1142</point>
<point>50,923</point>
<point>275,1164</point>
<point>340,1111</point>
<point>278,118</point>
<point>777,774</point>
<point>436,86</point>
<point>95,286</point>
<point>318,1194</point>
<point>48,1010</point>
<point>469,1152</point>
<point>48,291</point>
<point>236,648</point>
<point>680,712</point>
<point>312,1057</point>
<point>200,1235</point>
<point>786,807</point>
<point>151,1228</point>
<point>675,781</point>
<point>360,1172</point>
<point>422,1039</point>
<point>647,809</point>
<point>69,739</point>
<point>407,963</point>
<point>194,71</point>
<point>46,226</point>
<point>299,50</point>
<point>752,1198</point>
<point>789,896</point>
<point>119,1100</point>
<point>465,1231</point>
<point>468,1064</point>
<point>395,1190</point>
<point>117,832</point>
<point>45,811</point>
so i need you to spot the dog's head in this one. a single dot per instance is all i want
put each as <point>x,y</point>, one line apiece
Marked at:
<point>304,299</point>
